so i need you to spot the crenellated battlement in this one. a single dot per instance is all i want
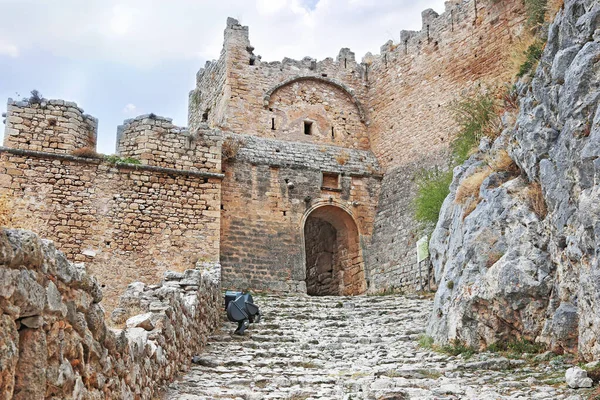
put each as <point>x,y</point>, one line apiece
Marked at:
<point>54,126</point>
<point>229,95</point>
<point>155,141</point>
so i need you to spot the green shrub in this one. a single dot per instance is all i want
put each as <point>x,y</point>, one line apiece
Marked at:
<point>536,11</point>
<point>476,117</point>
<point>533,54</point>
<point>496,347</point>
<point>456,347</point>
<point>525,346</point>
<point>425,342</point>
<point>113,159</point>
<point>450,285</point>
<point>432,188</point>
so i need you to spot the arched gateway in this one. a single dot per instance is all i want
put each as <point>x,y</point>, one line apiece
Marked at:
<point>334,261</point>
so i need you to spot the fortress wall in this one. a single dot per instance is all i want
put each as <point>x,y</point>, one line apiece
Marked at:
<point>54,126</point>
<point>57,344</point>
<point>411,87</point>
<point>413,83</point>
<point>255,101</point>
<point>156,141</point>
<point>126,222</point>
<point>269,187</point>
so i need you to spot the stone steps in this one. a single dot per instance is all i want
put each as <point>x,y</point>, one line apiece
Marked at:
<point>345,348</point>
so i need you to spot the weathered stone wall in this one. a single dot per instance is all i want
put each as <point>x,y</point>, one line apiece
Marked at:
<point>412,83</point>
<point>127,222</point>
<point>53,126</point>
<point>393,255</point>
<point>270,188</point>
<point>208,101</point>
<point>55,341</point>
<point>255,96</point>
<point>156,141</point>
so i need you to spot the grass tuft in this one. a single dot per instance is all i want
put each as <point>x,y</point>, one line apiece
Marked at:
<point>469,187</point>
<point>86,152</point>
<point>432,188</point>
<point>457,347</point>
<point>533,54</point>
<point>536,200</point>
<point>536,11</point>
<point>230,148</point>
<point>425,341</point>
<point>525,346</point>
<point>502,162</point>
<point>477,117</point>
<point>114,159</point>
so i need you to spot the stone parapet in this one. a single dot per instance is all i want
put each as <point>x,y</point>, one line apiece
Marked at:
<point>54,126</point>
<point>155,141</point>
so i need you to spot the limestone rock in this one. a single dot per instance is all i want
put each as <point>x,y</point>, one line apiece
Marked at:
<point>516,266</point>
<point>141,321</point>
<point>33,322</point>
<point>30,374</point>
<point>577,378</point>
<point>54,302</point>
<point>9,355</point>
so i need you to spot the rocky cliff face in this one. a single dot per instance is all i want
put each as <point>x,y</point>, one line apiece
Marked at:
<point>524,263</point>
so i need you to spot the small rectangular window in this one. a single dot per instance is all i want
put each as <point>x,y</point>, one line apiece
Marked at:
<point>308,127</point>
<point>273,124</point>
<point>330,181</point>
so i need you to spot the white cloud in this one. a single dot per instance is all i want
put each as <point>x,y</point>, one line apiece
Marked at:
<point>151,32</point>
<point>122,19</point>
<point>7,49</point>
<point>129,109</point>
<point>270,6</point>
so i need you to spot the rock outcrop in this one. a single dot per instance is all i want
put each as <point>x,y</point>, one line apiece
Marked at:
<point>55,343</point>
<point>524,263</point>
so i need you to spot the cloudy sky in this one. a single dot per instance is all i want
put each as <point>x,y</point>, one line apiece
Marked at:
<point>121,58</point>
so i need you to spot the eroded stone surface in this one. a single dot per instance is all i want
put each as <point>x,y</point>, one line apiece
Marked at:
<point>354,348</point>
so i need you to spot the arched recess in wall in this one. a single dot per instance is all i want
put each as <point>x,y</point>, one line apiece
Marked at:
<point>340,86</point>
<point>333,255</point>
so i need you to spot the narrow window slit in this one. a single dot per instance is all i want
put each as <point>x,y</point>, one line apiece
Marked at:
<point>273,124</point>
<point>308,127</point>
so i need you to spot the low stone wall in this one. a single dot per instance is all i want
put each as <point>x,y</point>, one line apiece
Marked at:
<point>126,222</point>
<point>55,343</point>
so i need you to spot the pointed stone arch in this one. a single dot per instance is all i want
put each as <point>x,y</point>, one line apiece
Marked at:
<point>338,85</point>
<point>333,255</point>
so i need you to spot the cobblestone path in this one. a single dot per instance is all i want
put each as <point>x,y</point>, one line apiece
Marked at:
<point>355,348</point>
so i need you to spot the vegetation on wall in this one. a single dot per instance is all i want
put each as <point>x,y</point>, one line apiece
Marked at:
<point>114,159</point>
<point>533,54</point>
<point>432,188</point>
<point>536,11</point>
<point>476,115</point>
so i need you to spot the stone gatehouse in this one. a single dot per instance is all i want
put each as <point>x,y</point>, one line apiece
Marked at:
<point>293,175</point>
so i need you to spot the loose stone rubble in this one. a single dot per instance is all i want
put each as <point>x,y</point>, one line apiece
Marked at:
<point>356,348</point>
